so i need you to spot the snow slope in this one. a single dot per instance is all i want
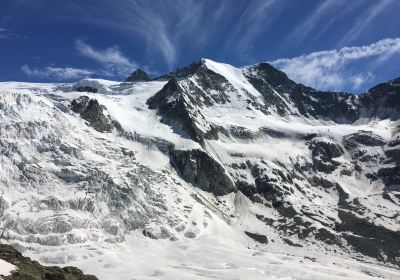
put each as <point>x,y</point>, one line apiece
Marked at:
<point>6,268</point>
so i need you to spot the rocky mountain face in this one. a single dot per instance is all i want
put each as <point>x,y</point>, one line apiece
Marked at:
<point>199,152</point>
<point>382,101</point>
<point>138,76</point>
<point>331,163</point>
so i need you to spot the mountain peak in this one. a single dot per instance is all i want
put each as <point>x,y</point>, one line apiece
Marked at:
<point>138,75</point>
<point>391,86</point>
<point>183,72</point>
<point>269,73</point>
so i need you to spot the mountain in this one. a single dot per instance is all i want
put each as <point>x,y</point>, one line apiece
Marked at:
<point>138,76</point>
<point>209,171</point>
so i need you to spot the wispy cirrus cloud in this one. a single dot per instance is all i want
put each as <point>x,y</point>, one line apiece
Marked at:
<point>166,31</point>
<point>365,19</point>
<point>164,26</point>
<point>111,58</point>
<point>331,70</point>
<point>321,13</point>
<point>167,34</point>
<point>256,17</point>
<point>6,33</point>
<point>58,73</point>
<point>170,28</point>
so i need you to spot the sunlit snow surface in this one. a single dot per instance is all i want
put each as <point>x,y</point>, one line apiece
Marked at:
<point>58,220</point>
<point>218,253</point>
<point>6,268</point>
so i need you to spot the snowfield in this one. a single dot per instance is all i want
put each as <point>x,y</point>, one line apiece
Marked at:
<point>6,268</point>
<point>116,205</point>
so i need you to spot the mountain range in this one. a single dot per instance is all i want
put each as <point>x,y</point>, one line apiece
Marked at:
<point>206,172</point>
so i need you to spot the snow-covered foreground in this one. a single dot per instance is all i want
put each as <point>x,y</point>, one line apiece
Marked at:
<point>218,253</point>
<point>6,268</point>
<point>135,200</point>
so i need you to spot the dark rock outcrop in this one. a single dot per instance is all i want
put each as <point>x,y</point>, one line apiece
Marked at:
<point>86,89</point>
<point>138,76</point>
<point>257,237</point>
<point>383,100</point>
<point>209,88</point>
<point>156,233</point>
<point>326,149</point>
<point>323,153</point>
<point>275,86</point>
<point>32,270</point>
<point>356,144</point>
<point>269,81</point>
<point>91,111</point>
<point>390,174</point>
<point>366,138</point>
<point>182,72</point>
<point>369,239</point>
<point>337,106</point>
<point>271,75</point>
<point>247,189</point>
<point>200,169</point>
<point>79,104</point>
<point>269,188</point>
<point>170,104</point>
<point>177,110</point>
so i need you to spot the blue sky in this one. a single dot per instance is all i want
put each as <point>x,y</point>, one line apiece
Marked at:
<point>334,44</point>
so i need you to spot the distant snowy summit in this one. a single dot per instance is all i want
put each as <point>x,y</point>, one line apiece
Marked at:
<point>287,97</point>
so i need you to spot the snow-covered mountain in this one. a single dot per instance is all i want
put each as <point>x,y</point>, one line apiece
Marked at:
<point>207,172</point>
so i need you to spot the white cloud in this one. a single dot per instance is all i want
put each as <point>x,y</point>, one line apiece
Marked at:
<point>330,70</point>
<point>356,81</point>
<point>111,57</point>
<point>58,73</point>
<point>113,62</point>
